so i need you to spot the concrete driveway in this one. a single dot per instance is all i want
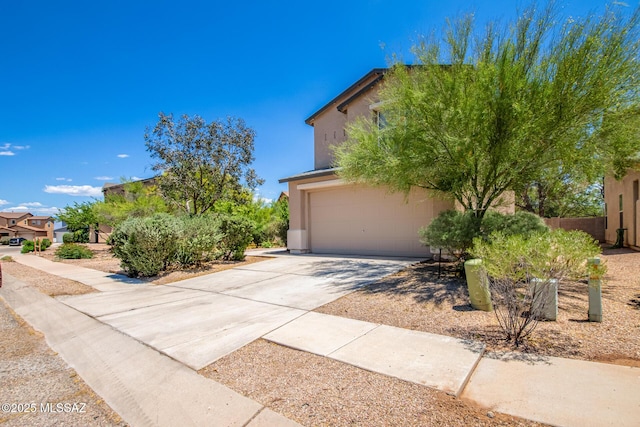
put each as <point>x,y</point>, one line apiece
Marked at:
<point>200,320</point>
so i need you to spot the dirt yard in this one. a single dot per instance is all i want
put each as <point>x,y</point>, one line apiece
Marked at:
<point>315,391</point>
<point>417,299</point>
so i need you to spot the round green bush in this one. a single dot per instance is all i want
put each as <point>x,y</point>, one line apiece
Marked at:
<point>146,246</point>
<point>68,238</point>
<point>27,246</point>
<point>73,251</point>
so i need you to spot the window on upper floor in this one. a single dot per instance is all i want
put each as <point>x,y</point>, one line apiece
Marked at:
<point>381,121</point>
<point>378,116</point>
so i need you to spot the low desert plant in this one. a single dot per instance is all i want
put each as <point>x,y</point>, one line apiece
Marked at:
<point>68,238</point>
<point>455,231</point>
<point>45,244</point>
<point>521,268</point>
<point>199,240</point>
<point>146,246</point>
<point>73,251</point>
<point>4,240</point>
<point>27,246</point>
<point>237,233</point>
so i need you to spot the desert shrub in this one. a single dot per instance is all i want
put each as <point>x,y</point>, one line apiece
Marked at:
<point>4,240</point>
<point>520,268</point>
<point>68,238</point>
<point>237,233</point>
<point>146,246</point>
<point>451,230</point>
<point>199,242</point>
<point>520,223</point>
<point>27,246</point>
<point>73,251</point>
<point>81,236</point>
<point>454,231</point>
<point>45,244</point>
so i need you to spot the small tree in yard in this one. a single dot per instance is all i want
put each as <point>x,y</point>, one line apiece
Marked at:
<point>521,268</point>
<point>201,162</point>
<point>482,114</point>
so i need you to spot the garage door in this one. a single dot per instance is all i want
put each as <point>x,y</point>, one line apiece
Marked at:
<point>368,221</point>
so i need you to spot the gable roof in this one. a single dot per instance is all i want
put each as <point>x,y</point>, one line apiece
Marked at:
<point>14,215</point>
<point>40,217</point>
<point>364,84</point>
<point>26,227</point>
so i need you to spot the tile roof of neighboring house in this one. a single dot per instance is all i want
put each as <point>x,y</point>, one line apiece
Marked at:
<point>379,72</point>
<point>27,227</point>
<point>6,228</point>
<point>14,215</point>
<point>40,217</point>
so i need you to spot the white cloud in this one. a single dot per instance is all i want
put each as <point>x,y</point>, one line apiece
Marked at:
<point>46,211</point>
<point>104,178</point>
<point>18,208</point>
<point>64,179</point>
<point>74,190</point>
<point>6,149</point>
<point>33,204</point>
<point>136,178</point>
<point>3,202</point>
<point>123,156</point>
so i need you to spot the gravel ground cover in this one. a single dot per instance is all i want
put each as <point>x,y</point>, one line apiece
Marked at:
<point>317,391</point>
<point>416,298</point>
<point>103,260</point>
<point>31,375</point>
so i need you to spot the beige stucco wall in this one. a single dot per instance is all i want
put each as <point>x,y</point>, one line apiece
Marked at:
<point>328,130</point>
<point>329,126</point>
<point>613,189</point>
<point>330,216</point>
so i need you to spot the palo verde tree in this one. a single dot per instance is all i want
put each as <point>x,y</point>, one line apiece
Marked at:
<point>484,113</point>
<point>200,162</point>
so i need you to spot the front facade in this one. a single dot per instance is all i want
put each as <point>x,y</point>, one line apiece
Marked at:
<point>328,215</point>
<point>622,206</point>
<point>26,225</point>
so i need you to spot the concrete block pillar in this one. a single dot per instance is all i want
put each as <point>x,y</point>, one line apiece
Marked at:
<point>595,289</point>
<point>478,286</point>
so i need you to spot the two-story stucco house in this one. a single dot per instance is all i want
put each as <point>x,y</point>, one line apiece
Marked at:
<point>328,215</point>
<point>23,224</point>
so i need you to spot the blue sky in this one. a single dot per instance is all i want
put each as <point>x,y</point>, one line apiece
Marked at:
<point>80,81</point>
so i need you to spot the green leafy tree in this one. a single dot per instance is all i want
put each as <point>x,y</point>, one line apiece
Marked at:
<point>507,106</point>
<point>201,162</point>
<point>79,218</point>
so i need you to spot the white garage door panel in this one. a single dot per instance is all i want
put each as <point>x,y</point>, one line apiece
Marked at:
<point>367,221</point>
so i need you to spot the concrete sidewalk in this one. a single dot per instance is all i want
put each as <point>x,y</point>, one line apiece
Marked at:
<point>143,386</point>
<point>551,390</point>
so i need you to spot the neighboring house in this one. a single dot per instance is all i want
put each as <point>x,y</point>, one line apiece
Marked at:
<point>59,232</point>
<point>622,208</point>
<point>112,188</point>
<point>328,215</point>
<point>101,235</point>
<point>24,224</point>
